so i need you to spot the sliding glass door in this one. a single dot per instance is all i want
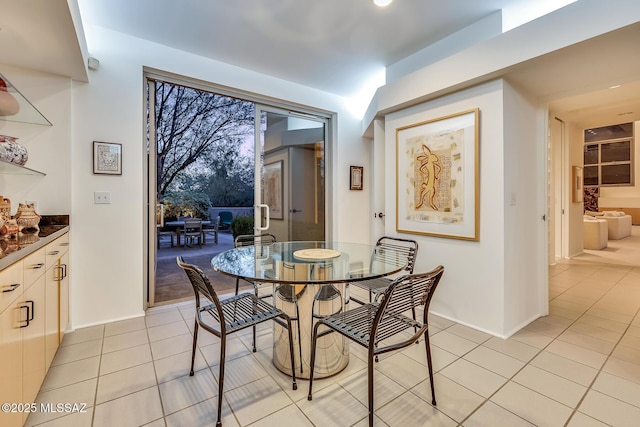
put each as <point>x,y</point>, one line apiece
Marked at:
<point>290,174</point>
<point>212,150</point>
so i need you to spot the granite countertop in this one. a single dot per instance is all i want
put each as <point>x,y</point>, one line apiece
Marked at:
<point>14,248</point>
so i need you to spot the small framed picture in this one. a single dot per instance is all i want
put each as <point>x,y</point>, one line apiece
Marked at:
<point>355,181</point>
<point>107,158</point>
<point>578,189</point>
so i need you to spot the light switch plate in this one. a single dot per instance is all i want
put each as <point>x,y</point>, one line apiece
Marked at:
<point>101,197</point>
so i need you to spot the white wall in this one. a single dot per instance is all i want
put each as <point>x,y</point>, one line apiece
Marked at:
<point>481,279</point>
<point>524,229</point>
<point>575,209</point>
<point>109,240</point>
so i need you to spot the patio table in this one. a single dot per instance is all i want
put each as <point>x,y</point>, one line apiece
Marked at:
<point>179,226</point>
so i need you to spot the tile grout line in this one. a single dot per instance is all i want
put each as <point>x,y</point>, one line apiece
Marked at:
<point>574,409</point>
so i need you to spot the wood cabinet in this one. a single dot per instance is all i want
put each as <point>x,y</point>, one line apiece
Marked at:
<point>34,313</point>
<point>57,295</point>
<point>11,284</point>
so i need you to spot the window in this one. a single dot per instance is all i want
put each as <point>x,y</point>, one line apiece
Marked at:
<point>608,156</point>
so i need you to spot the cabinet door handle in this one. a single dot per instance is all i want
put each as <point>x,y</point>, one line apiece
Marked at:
<point>12,287</point>
<point>54,252</point>
<point>64,270</point>
<point>64,244</point>
<point>28,319</point>
<point>38,265</point>
<point>33,308</point>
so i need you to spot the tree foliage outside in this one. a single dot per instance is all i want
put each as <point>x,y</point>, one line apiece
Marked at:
<point>204,144</point>
<point>186,203</point>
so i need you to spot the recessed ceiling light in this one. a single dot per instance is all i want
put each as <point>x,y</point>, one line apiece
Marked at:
<point>614,86</point>
<point>382,3</point>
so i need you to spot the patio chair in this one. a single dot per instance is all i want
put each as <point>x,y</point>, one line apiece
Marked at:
<point>211,229</point>
<point>371,324</point>
<point>225,220</point>
<point>229,316</point>
<point>193,230</point>
<point>171,235</point>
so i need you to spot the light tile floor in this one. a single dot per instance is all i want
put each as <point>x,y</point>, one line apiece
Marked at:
<point>579,366</point>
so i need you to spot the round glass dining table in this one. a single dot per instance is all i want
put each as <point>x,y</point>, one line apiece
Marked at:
<point>309,281</point>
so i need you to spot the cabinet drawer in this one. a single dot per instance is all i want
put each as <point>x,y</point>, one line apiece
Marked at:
<point>56,249</point>
<point>11,284</point>
<point>34,266</point>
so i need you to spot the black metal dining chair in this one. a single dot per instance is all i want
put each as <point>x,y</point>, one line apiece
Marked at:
<point>231,315</point>
<point>370,324</point>
<point>258,240</point>
<point>389,250</point>
<point>253,240</point>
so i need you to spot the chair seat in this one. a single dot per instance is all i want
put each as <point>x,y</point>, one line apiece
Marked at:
<point>376,286</point>
<point>357,323</point>
<point>243,310</point>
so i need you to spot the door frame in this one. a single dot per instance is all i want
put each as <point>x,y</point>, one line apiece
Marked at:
<point>149,165</point>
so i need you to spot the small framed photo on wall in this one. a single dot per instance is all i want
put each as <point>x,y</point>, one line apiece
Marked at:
<point>578,190</point>
<point>355,180</point>
<point>107,158</point>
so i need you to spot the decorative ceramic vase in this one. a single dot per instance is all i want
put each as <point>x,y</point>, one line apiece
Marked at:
<point>8,103</point>
<point>11,151</point>
<point>5,209</point>
<point>10,228</point>
<point>26,217</point>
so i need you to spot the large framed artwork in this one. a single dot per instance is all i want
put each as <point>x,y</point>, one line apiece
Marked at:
<point>273,189</point>
<point>437,177</point>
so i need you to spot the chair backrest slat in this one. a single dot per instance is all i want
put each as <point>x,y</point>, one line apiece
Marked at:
<point>394,250</point>
<point>407,293</point>
<point>254,239</point>
<point>192,224</point>
<point>202,287</point>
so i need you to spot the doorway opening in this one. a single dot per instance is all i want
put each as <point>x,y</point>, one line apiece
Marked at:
<point>213,153</point>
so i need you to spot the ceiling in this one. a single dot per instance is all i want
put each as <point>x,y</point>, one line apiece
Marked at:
<point>331,45</point>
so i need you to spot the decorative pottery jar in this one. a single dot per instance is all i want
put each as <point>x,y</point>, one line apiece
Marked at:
<point>11,151</point>
<point>5,209</point>
<point>10,228</point>
<point>8,103</point>
<point>26,216</point>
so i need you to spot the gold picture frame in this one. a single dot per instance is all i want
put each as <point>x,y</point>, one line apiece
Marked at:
<point>437,177</point>
<point>273,189</point>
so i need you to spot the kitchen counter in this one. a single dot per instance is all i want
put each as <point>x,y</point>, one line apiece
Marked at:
<point>13,249</point>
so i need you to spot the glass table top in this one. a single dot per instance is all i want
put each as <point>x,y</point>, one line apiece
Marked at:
<point>316,262</point>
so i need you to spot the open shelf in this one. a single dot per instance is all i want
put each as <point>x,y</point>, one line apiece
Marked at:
<point>27,113</point>
<point>12,168</point>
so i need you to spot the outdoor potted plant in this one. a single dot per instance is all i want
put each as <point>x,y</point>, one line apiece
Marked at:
<point>242,225</point>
